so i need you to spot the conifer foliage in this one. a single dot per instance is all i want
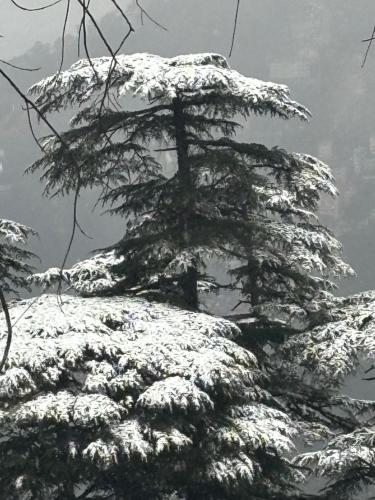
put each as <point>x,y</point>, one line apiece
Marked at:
<point>215,197</point>
<point>14,258</point>
<point>327,355</point>
<point>119,398</point>
<point>153,400</point>
<point>14,268</point>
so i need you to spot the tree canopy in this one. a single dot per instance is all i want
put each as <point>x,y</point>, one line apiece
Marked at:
<point>14,258</point>
<point>217,197</point>
<point>122,398</point>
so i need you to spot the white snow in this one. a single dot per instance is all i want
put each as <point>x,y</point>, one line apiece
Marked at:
<point>112,366</point>
<point>158,78</point>
<point>334,350</point>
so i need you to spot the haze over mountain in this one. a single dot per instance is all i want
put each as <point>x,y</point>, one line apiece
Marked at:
<point>313,46</point>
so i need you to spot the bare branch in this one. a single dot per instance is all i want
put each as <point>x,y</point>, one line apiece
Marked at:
<point>15,66</point>
<point>234,28</point>
<point>34,9</point>
<point>369,41</point>
<point>146,14</point>
<point>63,35</point>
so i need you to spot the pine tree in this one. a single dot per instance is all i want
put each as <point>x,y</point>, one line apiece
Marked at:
<point>14,266</point>
<point>120,398</point>
<point>219,197</point>
<point>14,270</point>
<point>299,383</point>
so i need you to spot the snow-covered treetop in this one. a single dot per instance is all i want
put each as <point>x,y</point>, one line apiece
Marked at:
<point>244,198</point>
<point>13,256</point>
<point>161,79</point>
<point>105,381</point>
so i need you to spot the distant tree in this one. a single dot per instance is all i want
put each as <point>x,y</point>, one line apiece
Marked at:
<point>217,197</point>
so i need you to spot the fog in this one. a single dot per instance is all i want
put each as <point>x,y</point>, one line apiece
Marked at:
<point>313,46</point>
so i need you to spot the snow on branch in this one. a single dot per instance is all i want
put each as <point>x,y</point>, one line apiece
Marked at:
<point>97,275</point>
<point>335,349</point>
<point>13,255</point>
<point>14,232</point>
<point>103,380</point>
<point>347,461</point>
<point>157,78</point>
<point>88,277</point>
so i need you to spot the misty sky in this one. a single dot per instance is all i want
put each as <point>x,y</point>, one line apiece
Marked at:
<point>314,46</point>
<point>21,30</point>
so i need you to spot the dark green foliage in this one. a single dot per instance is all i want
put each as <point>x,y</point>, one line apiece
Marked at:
<point>14,266</point>
<point>187,189</point>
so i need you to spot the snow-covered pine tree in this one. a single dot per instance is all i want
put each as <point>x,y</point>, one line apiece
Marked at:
<point>14,258</point>
<point>244,200</point>
<point>123,399</point>
<point>14,268</point>
<point>302,379</point>
<point>216,196</point>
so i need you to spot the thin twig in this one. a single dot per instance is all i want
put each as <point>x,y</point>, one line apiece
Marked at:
<point>124,16</point>
<point>146,14</point>
<point>34,9</point>
<point>369,41</point>
<point>26,309</point>
<point>97,27</point>
<point>31,105</point>
<point>234,28</point>
<point>63,36</point>
<point>71,239</point>
<point>32,130</point>
<point>84,30</point>
<point>21,68</point>
<point>80,30</point>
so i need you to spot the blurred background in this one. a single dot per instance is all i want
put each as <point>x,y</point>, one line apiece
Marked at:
<point>313,46</point>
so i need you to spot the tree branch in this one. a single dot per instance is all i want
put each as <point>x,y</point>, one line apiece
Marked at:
<point>9,327</point>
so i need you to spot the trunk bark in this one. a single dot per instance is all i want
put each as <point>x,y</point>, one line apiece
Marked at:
<point>253,288</point>
<point>252,274</point>
<point>189,279</point>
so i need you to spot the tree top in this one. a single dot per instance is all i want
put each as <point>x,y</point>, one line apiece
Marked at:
<point>161,79</point>
<point>124,390</point>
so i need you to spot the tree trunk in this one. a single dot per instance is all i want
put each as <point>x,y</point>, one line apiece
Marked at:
<point>9,327</point>
<point>189,279</point>
<point>188,283</point>
<point>252,273</point>
<point>252,276</point>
